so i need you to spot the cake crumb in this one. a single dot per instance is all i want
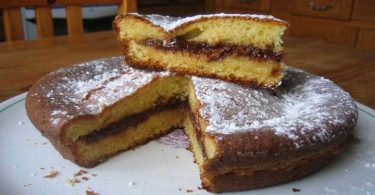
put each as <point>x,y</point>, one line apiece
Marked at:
<point>177,157</point>
<point>72,182</point>
<point>51,174</point>
<point>296,189</point>
<point>179,189</point>
<point>26,185</point>
<point>188,190</point>
<point>41,168</point>
<point>94,175</point>
<point>21,122</point>
<point>91,192</point>
<point>85,178</point>
<point>80,173</point>
<point>199,188</point>
<point>44,143</point>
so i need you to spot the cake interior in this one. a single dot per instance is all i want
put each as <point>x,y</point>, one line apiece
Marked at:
<point>161,91</point>
<point>242,69</point>
<point>93,149</point>
<point>150,112</point>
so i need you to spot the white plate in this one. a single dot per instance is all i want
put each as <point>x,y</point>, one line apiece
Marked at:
<point>157,168</point>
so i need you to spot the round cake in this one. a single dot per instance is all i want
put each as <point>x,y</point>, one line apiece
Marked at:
<point>241,137</point>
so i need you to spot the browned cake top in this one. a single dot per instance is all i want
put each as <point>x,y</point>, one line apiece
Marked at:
<point>305,109</point>
<point>87,88</point>
<point>169,23</point>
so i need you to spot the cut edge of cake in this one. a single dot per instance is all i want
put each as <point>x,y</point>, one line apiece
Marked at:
<point>245,49</point>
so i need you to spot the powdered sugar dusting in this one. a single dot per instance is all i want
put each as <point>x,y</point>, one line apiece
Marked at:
<point>88,88</point>
<point>304,103</point>
<point>169,23</point>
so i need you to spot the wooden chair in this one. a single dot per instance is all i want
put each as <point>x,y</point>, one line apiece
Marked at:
<point>13,21</point>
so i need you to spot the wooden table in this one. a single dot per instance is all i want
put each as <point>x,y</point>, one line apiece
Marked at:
<point>23,62</point>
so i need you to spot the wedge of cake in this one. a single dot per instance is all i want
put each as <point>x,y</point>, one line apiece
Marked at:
<point>94,110</point>
<point>245,49</point>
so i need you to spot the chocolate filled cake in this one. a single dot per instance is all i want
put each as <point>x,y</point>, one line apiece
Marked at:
<point>241,137</point>
<point>94,110</point>
<point>245,49</point>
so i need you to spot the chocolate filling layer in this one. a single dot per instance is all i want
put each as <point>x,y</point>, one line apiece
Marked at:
<point>215,52</point>
<point>133,120</point>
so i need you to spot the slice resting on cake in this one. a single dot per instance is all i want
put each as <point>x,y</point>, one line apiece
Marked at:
<point>245,49</point>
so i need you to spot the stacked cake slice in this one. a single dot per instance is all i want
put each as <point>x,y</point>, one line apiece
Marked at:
<point>245,49</point>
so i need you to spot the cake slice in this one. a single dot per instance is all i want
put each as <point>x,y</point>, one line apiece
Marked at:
<point>245,49</point>
<point>94,110</point>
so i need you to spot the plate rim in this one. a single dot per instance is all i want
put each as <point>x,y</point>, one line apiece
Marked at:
<point>8,103</point>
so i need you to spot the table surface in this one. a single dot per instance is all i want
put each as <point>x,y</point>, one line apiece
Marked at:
<point>24,62</point>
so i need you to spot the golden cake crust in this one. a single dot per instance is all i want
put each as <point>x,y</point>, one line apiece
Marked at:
<point>269,174</point>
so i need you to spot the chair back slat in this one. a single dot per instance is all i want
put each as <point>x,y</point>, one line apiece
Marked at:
<point>32,3</point>
<point>128,6</point>
<point>13,24</point>
<point>43,15</point>
<point>74,20</point>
